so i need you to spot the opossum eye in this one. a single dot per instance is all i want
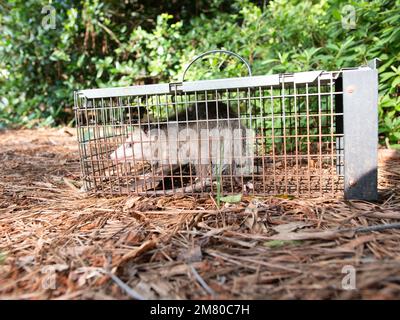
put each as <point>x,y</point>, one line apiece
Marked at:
<point>129,144</point>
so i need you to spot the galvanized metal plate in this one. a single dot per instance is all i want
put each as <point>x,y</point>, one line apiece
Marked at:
<point>205,85</point>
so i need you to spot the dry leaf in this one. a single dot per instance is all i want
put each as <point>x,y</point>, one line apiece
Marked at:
<point>291,226</point>
<point>146,246</point>
<point>255,223</point>
<point>351,245</point>
<point>130,202</point>
<point>88,226</point>
<point>214,232</point>
<point>138,215</point>
<point>194,254</point>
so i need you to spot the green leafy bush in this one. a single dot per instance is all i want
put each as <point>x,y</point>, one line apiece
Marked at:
<point>114,43</point>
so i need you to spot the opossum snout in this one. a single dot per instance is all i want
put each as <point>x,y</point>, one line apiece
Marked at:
<point>132,149</point>
<point>113,156</point>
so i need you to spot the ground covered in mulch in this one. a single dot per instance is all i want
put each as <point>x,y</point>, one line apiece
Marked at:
<point>59,243</point>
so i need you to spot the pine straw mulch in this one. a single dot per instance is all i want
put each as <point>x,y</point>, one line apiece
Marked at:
<point>57,243</point>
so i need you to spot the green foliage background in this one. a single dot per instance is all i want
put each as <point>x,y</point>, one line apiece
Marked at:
<point>117,43</point>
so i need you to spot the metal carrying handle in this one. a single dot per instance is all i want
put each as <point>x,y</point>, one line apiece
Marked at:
<point>229,53</point>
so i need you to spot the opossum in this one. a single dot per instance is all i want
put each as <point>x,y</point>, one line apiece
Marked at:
<point>208,136</point>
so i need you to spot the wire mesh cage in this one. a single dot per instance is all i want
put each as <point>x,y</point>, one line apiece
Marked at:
<point>306,134</point>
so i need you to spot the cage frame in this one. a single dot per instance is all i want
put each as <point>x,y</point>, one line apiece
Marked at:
<point>358,105</point>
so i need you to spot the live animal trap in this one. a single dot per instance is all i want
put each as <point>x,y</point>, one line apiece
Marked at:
<point>305,134</point>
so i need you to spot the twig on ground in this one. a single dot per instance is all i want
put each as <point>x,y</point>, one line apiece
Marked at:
<point>201,281</point>
<point>132,293</point>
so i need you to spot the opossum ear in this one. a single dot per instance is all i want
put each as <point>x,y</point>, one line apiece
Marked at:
<point>137,136</point>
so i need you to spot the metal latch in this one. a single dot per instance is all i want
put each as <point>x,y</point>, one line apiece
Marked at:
<point>175,87</point>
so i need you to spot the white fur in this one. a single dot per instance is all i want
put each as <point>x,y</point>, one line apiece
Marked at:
<point>183,147</point>
<point>136,147</point>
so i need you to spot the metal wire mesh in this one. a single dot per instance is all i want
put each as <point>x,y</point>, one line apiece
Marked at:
<point>290,140</point>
